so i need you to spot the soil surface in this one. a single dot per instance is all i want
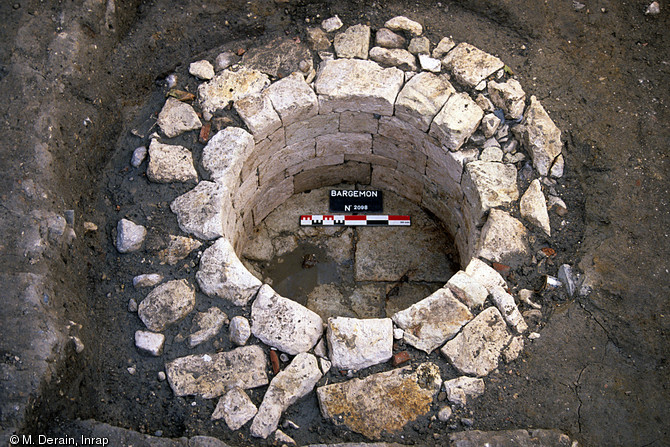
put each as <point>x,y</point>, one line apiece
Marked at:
<point>599,371</point>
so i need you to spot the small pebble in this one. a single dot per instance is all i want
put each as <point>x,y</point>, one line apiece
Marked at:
<point>139,154</point>
<point>132,370</point>
<point>90,226</point>
<point>132,305</point>
<point>444,414</point>
<point>467,422</point>
<point>283,357</point>
<point>533,336</point>
<point>69,217</point>
<point>161,376</point>
<point>653,8</point>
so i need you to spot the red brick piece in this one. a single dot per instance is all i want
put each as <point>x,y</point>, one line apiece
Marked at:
<point>274,360</point>
<point>400,357</point>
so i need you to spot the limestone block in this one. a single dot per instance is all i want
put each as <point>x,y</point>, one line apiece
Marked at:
<point>509,96</point>
<point>430,64</point>
<point>533,207</point>
<point>225,154</point>
<point>168,163</point>
<point>461,388</point>
<point>293,99</point>
<point>178,248</point>
<point>348,172</point>
<point>283,323</point>
<point>235,407</point>
<point>258,114</point>
<point>317,162</point>
<point>485,103</point>
<point>541,137</point>
<point>394,57</point>
<point>357,86</point>
<point>488,184</point>
<point>166,304</point>
<point>433,320</point>
<point>402,23</point>
<point>386,38</point>
<point>401,153</point>
<point>285,158</point>
<point>246,192</point>
<point>177,117</point>
<point>476,349</point>
<point>484,274</point>
<point>202,69</point>
<point>206,325</point>
<point>240,330</point>
<point>222,274</point>
<point>397,181</point>
<point>203,211</point>
<point>285,389</point>
<point>313,127</point>
<point>230,86</point>
<point>372,159</point>
<point>358,122</point>
<point>403,132</point>
<point>470,65</point>
<point>467,289</point>
<point>507,307</point>
<point>150,342</point>
<point>343,143</point>
<point>129,236</point>
<point>356,344</point>
<point>381,403</point>
<point>441,173</point>
<point>422,98</point>
<point>443,47</point>
<point>504,239</point>
<point>440,204</point>
<point>456,121</point>
<point>271,197</point>
<point>353,43</point>
<point>211,375</point>
<point>264,150</point>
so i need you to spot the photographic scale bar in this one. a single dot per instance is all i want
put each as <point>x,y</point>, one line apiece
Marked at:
<point>366,220</point>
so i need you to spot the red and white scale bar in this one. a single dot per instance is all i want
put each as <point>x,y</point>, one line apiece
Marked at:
<point>340,219</point>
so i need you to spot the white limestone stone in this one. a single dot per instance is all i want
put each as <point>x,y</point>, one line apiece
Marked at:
<point>178,248</point>
<point>343,143</point>
<point>509,96</point>
<point>284,324</point>
<point>312,128</point>
<point>129,236</point>
<point>283,439</point>
<point>293,99</point>
<point>443,47</point>
<point>202,69</point>
<point>208,324</point>
<point>484,274</point>
<point>491,153</point>
<point>558,167</point>
<point>433,320</point>
<point>331,24</point>
<point>386,38</point>
<point>211,375</point>
<point>402,23</point>
<point>428,63</point>
<point>485,103</point>
<point>225,154</point>
<point>541,137</point>
<point>510,312</point>
<point>149,342</point>
<point>222,274</point>
<point>513,350</point>
<point>470,65</point>
<point>394,57</point>
<point>444,414</point>
<point>457,120</point>
<point>240,330</point>
<point>467,289</point>
<point>271,197</point>
<point>533,207</point>
<point>476,349</point>
<point>291,155</point>
<point>419,45</point>
<point>177,117</point>
<point>356,344</point>
<point>488,184</point>
<point>422,98</point>
<point>235,407</point>
<point>325,365</point>
<point>504,239</point>
<point>203,211</point>
<point>318,40</point>
<point>169,163</point>
<point>357,86</point>
<point>147,280</point>
<point>490,124</point>
<point>225,60</point>
<point>381,403</point>
<point>353,43</point>
<point>294,382</point>
<point>461,388</point>
<point>258,114</point>
<point>230,86</point>
<point>166,304</point>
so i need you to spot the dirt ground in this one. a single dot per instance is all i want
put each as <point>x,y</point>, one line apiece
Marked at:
<point>599,372</point>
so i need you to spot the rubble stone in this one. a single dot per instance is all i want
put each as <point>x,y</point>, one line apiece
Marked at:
<point>177,117</point>
<point>490,124</point>
<point>509,96</point>
<point>240,330</point>
<point>147,280</point>
<point>356,344</point>
<point>258,114</point>
<point>491,153</point>
<point>402,23</point>
<point>293,99</point>
<point>457,120</point>
<point>533,207</point>
<point>382,402</point>
<point>235,407</point>
<point>210,375</point>
<point>395,57</point>
<point>201,210</point>
<point>222,274</point>
<point>470,65</point>
<point>149,342</point>
<point>541,137</point>
<point>484,274</point>
<point>209,324</point>
<point>353,43</point>
<point>443,47</point>
<point>461,388</point>
<point>178,248</point>
<point>166,304</point>
<point>168,163</point>
<point>419,45</point>
<point>139,154</point>
<point>386,38</point>
<point>475,350</point>
<point>201,69</point>
<point>433,320</point>
<point>129,236</point>
<point>331,24</point>
<point>225,60</point>
<point>294,382</point>
<point>444,414</point>
<point>422,98</point>
<point>225,153</point>
<point>283,323</point>
<point>428,63</point>
<point>467,289</point>
<point>503,239</point>
<point>318,39</point>
<point>230,86</point>
<point>512,351</point>
<point>558,167</point>
<point>488,185</point>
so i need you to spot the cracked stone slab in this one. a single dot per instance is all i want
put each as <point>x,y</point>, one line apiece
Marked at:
<point>294,382</point>
<point>201,210</point>
<point>177,117</point>
<point>206,325</point>
<point>357,86</point>
<point>503,239</point>
<point>470,65</point>
<point>293,99</point>
<point>433,320</point>
<point>166,304</point>
<point>222,274</point>
<point>383,402</point>
<point>225,154</point>
<point>485,274</point>
<point>230,86</point>
<point>456,121</point>
<point>170,163</point>
<point>422,98</point>
<point>353,43</point>
<point>283,323</point>
<point>476,349</point>
<point>509,96</point>
<point>210,375</point>
<point>395,57</point>
<point>235,407</point>
<point>356,344</point>
<point>467,289</point>
<point>541,137</point>
<point>443,47</point>
<point>488,184</point>
<point>533,207</point>
<point>461,388</point>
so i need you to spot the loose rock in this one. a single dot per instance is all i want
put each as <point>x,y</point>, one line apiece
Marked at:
<point>419,45</point>
<point>166,304</point>
<point>206,325</point>
<point>484,274</point>
<point>459,389</point>
<point>356,344</point>
<point>395,57</point>
<point>178,248</point>
<point>201,210</point>
<point>491,153</point>
<point>149,342</point>
<point>507,307</point>
<point>470,65</point>
<point>230,86</point>
<point>443,47</point>
<point>402,23</point>
<point>147,280</point>
<point>240,330</point>
<point>533,207</point>
<point>444,414</point>
<point>422,98</point>
<point>458,119</point>
<point>236,408</point>
<point>386,38</point>
<point>283,438</point>
<point>541,137</point>
<point>225,153</point>
<point>503,239</point>
<point>129,236</point>
<point>428,63</point>
<point>177,117</point>
<point>353,43</point>
<point>202,69</point>
<point>317,38</point>
<point>331,24</point>
<point>509,96</point>
<point>139,154</point>
<point>168,163</point>
<point>490,124</point>
<point>258,114</point>
<point>225,60</point>
<point>488,185</point>
<point>512,351</point>
<point>467,289</point>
